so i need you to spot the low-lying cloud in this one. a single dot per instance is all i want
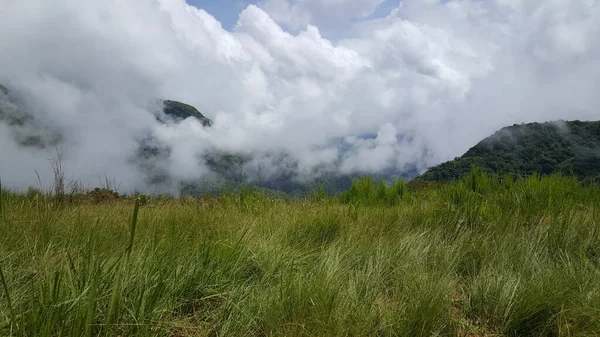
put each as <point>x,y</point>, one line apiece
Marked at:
<point>409,90</point>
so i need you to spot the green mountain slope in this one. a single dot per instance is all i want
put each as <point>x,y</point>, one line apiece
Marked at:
<point>520,150</point>
<point>180,111</point>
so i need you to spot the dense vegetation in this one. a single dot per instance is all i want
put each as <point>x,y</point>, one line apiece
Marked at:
<point>181,111</point>
<point>481,256</point>
<point>546,148</point>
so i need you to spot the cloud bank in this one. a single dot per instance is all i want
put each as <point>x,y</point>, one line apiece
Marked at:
<point>319,80</point>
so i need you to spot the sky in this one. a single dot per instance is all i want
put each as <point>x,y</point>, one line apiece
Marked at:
<point>227,11</point>
<point>344,85</point>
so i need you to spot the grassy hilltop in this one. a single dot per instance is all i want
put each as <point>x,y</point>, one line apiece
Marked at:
<point>476,257</point>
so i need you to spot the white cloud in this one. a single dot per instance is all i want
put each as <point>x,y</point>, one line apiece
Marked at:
<point>426,82</point>
<point>330,15</point>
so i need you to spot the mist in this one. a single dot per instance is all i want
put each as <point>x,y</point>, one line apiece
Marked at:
<point>345,93</point>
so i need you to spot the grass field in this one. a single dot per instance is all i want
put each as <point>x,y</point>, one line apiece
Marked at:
<point>479,257</point>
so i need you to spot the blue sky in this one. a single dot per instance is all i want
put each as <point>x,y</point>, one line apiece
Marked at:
<point>227,11</point>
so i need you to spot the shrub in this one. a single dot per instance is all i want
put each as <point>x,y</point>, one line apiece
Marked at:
<point>102,195</point>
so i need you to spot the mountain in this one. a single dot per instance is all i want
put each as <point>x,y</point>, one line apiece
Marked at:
<point>25,129</point>
<point>520,150</point>
<point>236,170</point>
<point>180,111</point>
<point>233,169</point>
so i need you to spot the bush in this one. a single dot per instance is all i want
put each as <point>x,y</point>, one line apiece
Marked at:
<point>102,195</point>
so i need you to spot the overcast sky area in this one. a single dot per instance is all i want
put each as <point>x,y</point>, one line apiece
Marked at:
<point>393,83</point>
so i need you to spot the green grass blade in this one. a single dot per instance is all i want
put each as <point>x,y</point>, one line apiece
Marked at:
<point>114,297</point>
<point>9,302</point>
<point>91,306</point>
<point>1,201</point>
<point>133,226</point>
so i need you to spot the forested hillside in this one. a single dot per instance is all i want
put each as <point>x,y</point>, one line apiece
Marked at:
<point>545,148</point>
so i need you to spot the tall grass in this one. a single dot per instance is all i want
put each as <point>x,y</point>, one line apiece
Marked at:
<point>1,201</point>
<point>483,256</point>
<point>366,191</point>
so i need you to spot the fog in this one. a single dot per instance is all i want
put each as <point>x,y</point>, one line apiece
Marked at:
<point>321,81</point>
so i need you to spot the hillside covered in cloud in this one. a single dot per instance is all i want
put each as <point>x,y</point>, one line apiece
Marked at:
<point>299,93</point>
<point>231,170</point>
